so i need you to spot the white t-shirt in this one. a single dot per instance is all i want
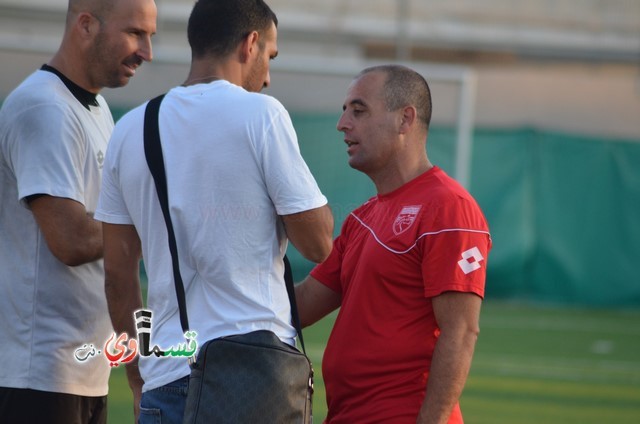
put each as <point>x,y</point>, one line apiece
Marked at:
<point>49,144</point>
<point>233,165</point>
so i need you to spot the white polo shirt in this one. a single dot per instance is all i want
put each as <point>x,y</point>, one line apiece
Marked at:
<point>50,143</point>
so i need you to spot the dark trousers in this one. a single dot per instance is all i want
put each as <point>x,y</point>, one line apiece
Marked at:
<point>26,406</point>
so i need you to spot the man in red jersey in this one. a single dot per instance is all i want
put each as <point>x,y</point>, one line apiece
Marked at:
<point>407,270</point>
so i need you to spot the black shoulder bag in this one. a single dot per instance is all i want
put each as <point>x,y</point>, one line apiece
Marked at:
<point>244,378</point>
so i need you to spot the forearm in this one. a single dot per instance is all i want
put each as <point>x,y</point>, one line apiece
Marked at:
<point>86,244</point>
<point>123,252</point>
<point>315,301</point>
<point>71,233</point>
<point>457,315</point>
<point>311,232</point>
<point>135,384</point>
<point>123,299</point>
<point>447,376</point>
<point>123,294</point>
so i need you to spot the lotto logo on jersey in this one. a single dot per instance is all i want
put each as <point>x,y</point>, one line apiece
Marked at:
<point>405,219</point>
<point>470,260</point>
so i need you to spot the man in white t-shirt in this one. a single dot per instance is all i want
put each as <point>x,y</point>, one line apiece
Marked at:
<point>54,130</point>
<point>238,188</point>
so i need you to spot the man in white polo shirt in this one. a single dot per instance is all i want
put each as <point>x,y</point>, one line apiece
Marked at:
<point>54,130</point>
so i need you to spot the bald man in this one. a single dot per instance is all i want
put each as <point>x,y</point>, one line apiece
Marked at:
<point>54,130</point>
<point>407,271</point>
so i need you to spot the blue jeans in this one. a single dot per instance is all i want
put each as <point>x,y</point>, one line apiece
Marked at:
<point>165,404</point>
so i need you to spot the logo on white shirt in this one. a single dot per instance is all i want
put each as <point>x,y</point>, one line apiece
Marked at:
<point>405,219</point>
<point>470,260</point>
<point>100,159</point>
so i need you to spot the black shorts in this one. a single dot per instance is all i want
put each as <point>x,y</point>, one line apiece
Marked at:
<point>26,406</point>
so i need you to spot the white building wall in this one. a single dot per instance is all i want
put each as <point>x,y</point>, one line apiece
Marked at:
<point>576,65</point>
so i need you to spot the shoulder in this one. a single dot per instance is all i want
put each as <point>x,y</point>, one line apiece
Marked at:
<point>38,90</point>
<point>255,104</point>
<point>134,116</point>
<point>448,204</point>
<point>40,109</point>
<point>263,104</point>
<point>360,214</point>
<point>366,206</point>
<point>128,126</point>
<point>437,202</point>
<point>43,103</point>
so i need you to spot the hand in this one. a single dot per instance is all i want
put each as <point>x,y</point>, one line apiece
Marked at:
<point>135,384</point>
<point>137,396</point>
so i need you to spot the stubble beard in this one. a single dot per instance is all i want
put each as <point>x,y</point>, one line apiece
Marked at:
<point>105,71</point>
<point>255,78</point>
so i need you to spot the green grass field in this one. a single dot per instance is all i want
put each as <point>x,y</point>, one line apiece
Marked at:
<point>532,365</point>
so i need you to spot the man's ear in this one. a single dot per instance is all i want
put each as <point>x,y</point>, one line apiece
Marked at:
<point>87,25</point>
<point>249,46</point>
<point>407,119</point>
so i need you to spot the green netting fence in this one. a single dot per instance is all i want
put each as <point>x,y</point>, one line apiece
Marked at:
<point>564,210</point>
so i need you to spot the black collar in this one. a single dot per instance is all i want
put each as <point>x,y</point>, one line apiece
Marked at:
<point>85,97</point>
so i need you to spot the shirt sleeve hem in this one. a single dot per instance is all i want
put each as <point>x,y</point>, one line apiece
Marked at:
<point>455,288</point>
<point>322,279</point>
<point>112,219</point>
<point>303,206</point>
<point>24,194</point>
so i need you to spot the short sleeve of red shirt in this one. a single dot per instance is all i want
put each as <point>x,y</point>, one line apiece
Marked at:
<point>329,271</point>
<point>455,253</point>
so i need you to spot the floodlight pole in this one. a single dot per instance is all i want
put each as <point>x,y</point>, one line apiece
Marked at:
<point>403,42</point>
<point>466,111</point>
<point>466,96</point>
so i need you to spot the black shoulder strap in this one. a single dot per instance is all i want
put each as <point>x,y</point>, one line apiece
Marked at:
<point>155,161</point>
<point>288,280</point>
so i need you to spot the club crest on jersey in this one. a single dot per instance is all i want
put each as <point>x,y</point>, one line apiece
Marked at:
<point>405,219</point>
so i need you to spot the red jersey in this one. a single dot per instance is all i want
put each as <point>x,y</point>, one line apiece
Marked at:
<point>393,255</point>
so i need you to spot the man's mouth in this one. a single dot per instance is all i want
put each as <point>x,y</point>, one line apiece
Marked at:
<point>132,66</point>
<point>351,146</point>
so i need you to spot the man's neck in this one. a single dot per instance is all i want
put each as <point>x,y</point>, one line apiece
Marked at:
<point>390,181</point>
<point>203,72</point>
<point>86,98</point>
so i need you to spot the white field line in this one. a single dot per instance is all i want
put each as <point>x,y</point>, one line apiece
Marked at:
<point>559,369</point>
<point>561,324</point>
